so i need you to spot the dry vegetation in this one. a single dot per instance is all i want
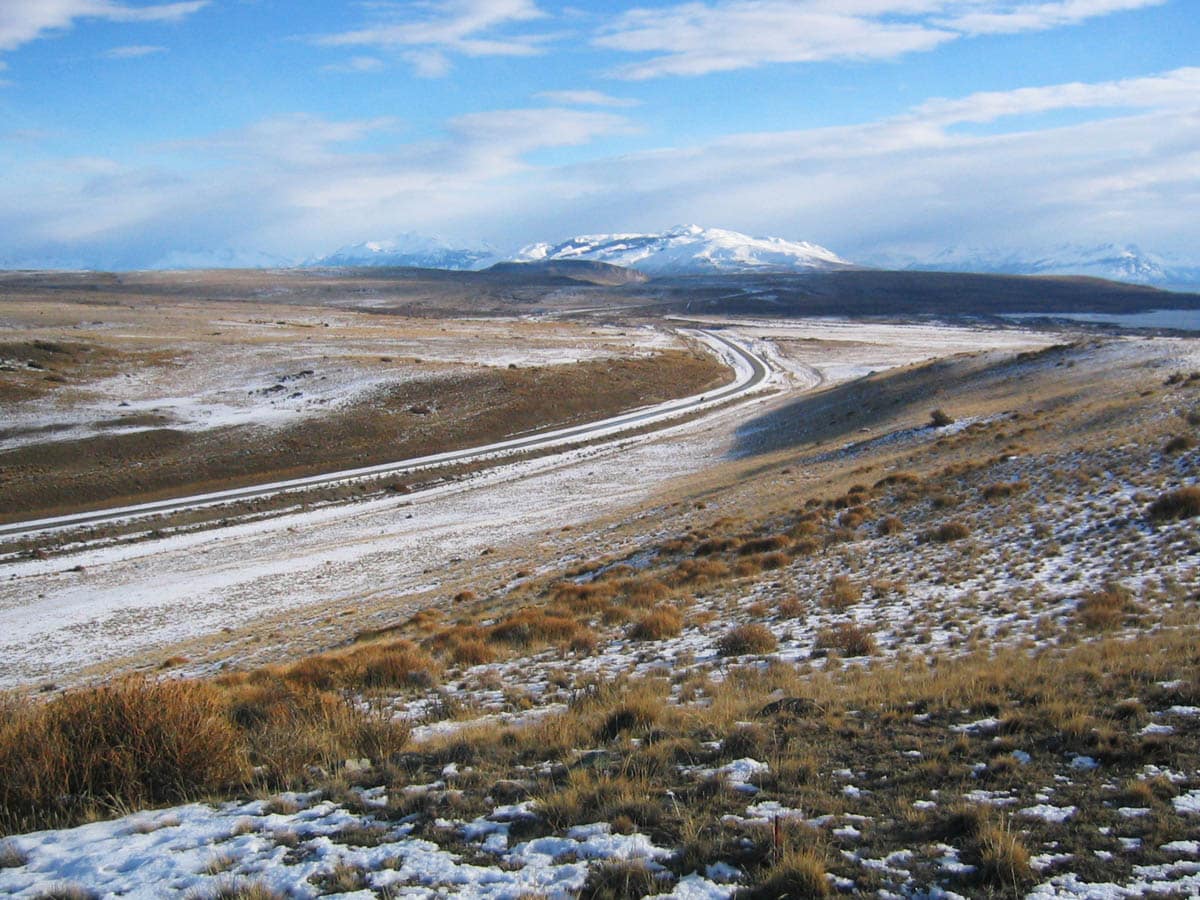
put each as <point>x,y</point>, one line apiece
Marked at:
<point>945,635</point>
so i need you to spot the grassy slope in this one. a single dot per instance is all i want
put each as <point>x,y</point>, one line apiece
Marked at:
<point>1059,612</point>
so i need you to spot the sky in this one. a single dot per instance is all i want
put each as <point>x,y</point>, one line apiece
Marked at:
<point>139,134</point>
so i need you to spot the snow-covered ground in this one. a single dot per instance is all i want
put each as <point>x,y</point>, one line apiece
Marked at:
<point>269,373</point>
<point>78,609</point>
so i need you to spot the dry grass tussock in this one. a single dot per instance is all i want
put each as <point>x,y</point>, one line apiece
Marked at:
<point>1183,503</point>
<point>745,639</point>
<point>136,743</point>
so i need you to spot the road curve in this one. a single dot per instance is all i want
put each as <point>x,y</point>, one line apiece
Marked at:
<point>751,371</point>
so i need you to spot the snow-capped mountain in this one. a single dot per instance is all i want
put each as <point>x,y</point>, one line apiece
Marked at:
<point>411,250</point>
<point>691,250</point>
<point>1116,262</point>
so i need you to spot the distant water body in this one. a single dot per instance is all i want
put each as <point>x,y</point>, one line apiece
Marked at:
<point>1177,319</point>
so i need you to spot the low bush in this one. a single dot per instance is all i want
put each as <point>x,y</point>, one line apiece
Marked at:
<point>658,624</point>
<point>1183,503</point>
<point>842,593</point>
<point>745,639</point>
<point>1105,609</point>
<point>848,639</point>
<point>134,742</point>
<point>946,532</point>
<point>799,874</point>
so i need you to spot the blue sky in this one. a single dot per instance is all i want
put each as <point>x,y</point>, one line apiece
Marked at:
<point>137,133</point>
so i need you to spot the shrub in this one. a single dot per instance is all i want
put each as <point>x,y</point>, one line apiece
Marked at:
<point>1002,489</point>
<point>848,639</point>
<point>622,880</point>
<point>745,639</point>
<point>889,525</point>
<point>1183,503</point>
<point>842,593</point>
<point>939,418</point>
<point>661,622</point>
<point>1001,858</point>
<point>1179,443</point>
<point>946,532</point>
<point>471,652</point>
<point>134,742</point>
<point>799,874</point>
<point>397,664</point>
<point>1105,609</point>
<point>763,545</point>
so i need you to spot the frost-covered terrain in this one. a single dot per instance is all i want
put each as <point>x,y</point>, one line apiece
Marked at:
<point>822,643</point>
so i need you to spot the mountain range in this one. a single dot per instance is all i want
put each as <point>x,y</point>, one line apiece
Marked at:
<point>686,250</point>
<point>691,250</point>
<point>415,250</point>
<point>1114,262</point>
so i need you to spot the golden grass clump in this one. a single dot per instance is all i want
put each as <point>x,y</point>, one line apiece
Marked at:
<point>842,593</point>
<point>1183,503</point>
<point>135,742</point>
<point>660,623</point>
<point>798,874</point>
<point>1105,609</point>
<point>848,639</point>
<point>746,639</point>
<point>946,532</point>
<point>532,626</point>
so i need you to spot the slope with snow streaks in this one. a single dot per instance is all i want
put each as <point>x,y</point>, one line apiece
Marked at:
<point>691,250</point>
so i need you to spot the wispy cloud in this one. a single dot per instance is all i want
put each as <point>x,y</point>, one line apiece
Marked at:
<point>22,22</point>
<point>697,38</point>
<point>134,51</point>
<point>586,98</point>
<point>301,184</point>
<point>357,65</point>
<point>1013,17</point>
<point>427,34</point>
<point>1179,89</point>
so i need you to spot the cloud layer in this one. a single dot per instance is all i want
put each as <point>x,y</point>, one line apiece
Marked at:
<point>22,22</point>
<point>700,38</point>
<point>299,184</point>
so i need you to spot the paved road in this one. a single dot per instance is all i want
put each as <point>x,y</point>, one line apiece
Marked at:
<point>752,371</point>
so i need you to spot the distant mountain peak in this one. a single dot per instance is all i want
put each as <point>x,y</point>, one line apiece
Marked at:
<point>690,250</point>
<point>408,249</point>
<point>1112,261</point>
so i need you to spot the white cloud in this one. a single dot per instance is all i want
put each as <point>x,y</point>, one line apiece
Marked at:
<point>1013,17</point>
<point>300,185</point>
<point>428,33</point>
<point>357,64</point>
<point>586,98</point>
<point>22,21</point>
<point>1176,89</point>
<point>134,51</point>
<point>696,38</point>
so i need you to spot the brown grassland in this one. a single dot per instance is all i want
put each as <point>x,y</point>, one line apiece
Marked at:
<point>932,669</point>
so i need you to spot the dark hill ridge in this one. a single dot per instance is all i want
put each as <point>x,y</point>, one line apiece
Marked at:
<point>563,285</point>
<point>872,292</point>
<point>571,270</point>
